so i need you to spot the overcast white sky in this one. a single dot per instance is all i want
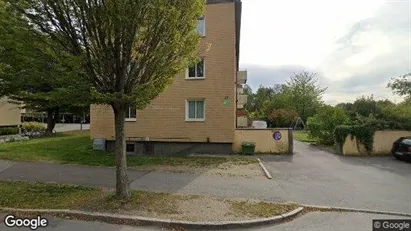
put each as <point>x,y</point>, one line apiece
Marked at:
<point>355,46</point>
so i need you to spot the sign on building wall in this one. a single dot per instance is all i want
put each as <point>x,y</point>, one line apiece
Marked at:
<point>277,135</point>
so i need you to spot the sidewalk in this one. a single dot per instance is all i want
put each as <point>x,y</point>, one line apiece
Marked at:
<point>182,183</point>
<point>315,221</point>
<point>288,184</point>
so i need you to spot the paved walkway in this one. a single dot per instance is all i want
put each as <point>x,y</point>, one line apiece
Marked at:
<point>308,222</point>
<point>318,177</point>
<point>309,176</point>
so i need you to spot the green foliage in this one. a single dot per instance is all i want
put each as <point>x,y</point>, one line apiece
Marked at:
<point>129,54</point>
<point>282,118</point>
<point>35,69</point>
<point>33,127</point>
<point>401,85</point>
<point>322,125</point>
<point>301,94</point>
<point>9,131</point>
<point>364,134</point>
<point>305,95</point>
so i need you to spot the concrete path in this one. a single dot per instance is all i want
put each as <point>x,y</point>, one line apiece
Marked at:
<point>309,222</point>
<point>69,127</point>
<point>309,176</point>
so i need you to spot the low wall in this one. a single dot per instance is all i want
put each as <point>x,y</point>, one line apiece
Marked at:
<point>264,140</point>
<point>383,141</point>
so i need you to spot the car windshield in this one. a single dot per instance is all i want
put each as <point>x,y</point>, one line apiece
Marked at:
<point>406,141</point>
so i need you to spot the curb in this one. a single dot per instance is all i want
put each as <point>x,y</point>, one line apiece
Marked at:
<point>144,221</point>
<point>345,209</point>
<point>267,173</point>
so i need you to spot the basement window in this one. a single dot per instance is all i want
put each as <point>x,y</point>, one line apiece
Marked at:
<point>130,148</point>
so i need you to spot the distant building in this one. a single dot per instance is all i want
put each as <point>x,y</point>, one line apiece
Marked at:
<point>9,113</point>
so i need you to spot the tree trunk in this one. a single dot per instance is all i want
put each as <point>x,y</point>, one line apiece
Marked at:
<point>122,182</point>
<point>51,121</point>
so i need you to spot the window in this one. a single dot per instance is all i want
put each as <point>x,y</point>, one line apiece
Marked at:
<point>196,71</point>
<point>131,114</point>
<point>201,26</point>
<point>130,148</point>
<point>195,110</point>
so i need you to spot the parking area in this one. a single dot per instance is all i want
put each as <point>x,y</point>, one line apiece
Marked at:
<point>313,176</point>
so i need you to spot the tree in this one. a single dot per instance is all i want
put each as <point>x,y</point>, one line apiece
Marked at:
<point>260,104</point>
<point>34,73</point>
<point>401,85</point>
<point>305,93</point>
<point>282,118</point>
<point>365,106</point>
<point>130,50</point>
<point>322,125</point>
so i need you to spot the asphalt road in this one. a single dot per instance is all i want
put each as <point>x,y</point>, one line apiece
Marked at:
<point>317,177</point>
<point>310,176</point>
<point>315,221</point>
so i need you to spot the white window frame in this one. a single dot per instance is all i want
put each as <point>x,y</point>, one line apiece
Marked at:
<point>202,33</point>
<point>188,109</point>
<point>195,67</point>
<point>128,115</point>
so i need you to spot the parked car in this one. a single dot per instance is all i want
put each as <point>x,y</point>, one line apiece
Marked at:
<point>401,148</point>
<point>259,124</point>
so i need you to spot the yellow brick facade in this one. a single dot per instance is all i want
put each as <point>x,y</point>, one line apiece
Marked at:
<point>9,113</point>
<point>165,117</point>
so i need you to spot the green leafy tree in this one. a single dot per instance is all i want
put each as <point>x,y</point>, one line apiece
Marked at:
<point>263,95</point>
<point>305,94</point>
<point>366,106</point>
<point>282,118</point>
<point>34,73</point>
<point>401,85</point>
<point>130,50</point>
<point>322,125</point>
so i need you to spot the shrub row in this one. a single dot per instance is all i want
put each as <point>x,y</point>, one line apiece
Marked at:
<point>9,131</point>
<point>33,127</point>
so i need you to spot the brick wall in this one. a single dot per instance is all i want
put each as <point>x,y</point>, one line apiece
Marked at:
<point>165,116</point>
<point>9,113</point>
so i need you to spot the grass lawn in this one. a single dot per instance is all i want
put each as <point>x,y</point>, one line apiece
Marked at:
<point>76,148</point>
<point>303,137</point>
<point>29,195</point>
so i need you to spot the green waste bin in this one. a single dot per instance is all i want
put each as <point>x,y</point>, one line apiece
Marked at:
<point>248,148</point>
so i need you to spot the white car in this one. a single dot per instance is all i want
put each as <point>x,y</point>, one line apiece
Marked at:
<point>259,124</point>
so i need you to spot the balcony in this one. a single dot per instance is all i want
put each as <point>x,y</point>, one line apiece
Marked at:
<point>242,122</point>
<point>241,77</point>
<point>241,101</point>
<point>240,90</point>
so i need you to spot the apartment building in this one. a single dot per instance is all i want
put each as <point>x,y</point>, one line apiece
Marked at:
<point>9,113</point>
<point>198,112</point>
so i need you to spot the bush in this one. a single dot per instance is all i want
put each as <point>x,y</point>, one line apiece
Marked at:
<point>9,131</point>
<point>282,118</point>
<point>363,133</point>
<point>322,125</point>
<point>33,127</point>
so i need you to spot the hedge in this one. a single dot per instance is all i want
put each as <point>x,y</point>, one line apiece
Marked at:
<point>9,131</point>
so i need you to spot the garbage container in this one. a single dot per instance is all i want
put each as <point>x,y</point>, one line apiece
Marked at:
<point>248,148</point>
